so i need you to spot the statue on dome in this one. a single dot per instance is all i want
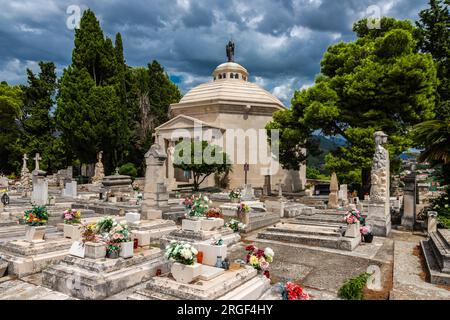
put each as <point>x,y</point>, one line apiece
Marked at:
<point>230,51</point>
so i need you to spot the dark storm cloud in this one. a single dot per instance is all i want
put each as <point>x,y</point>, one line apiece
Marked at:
<point>280,42</point>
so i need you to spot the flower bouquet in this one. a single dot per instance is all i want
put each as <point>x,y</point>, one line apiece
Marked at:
<point>37,216</point>
<point>235,195</point>
<point>366,233</point>
<point>119,233</point>
<point>196,206</point>
<point>89,233</point>
<point>184,256</point>
<point>259,259</point>
<point>181,252</point>
<point>292,291</point>
<point>235,225</point>
<point>105,225</point>
<point>72,216</point>
<point>243,210</point>
<point>214,213</point>
<point>353,216</point>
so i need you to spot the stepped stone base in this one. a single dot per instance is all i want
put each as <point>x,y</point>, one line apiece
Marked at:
<point>261,220</point>
<point>193,237</point>
<point>437,256</point>
<point>98,279</point>
<point>311,235</point>
<point>241,284</point>
<point>148,231</point>
<point>25,258</point>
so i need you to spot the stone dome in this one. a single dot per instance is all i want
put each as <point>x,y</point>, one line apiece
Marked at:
<point>230,83</point>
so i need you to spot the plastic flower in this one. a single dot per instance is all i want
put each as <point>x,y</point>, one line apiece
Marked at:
<point>254,261</point>
<point>269,252</point>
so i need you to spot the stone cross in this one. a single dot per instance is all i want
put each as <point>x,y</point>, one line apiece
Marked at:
<point>25,158</point>
<point>37,158</point>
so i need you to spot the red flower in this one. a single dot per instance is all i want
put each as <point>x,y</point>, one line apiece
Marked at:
<point>250,248</point>
<point>260,253</point>
<point>267,274</point>
<point>247,258</point>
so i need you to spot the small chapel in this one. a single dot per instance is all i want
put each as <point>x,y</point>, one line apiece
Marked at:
<point>228,102</point>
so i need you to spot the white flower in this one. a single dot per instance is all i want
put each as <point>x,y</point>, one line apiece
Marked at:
<point>186,253</point>
<point>205,198</point>
<point>269,252</point>
<point>194,251</point>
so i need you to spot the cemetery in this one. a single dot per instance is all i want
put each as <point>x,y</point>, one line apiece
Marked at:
<point>145,220</point>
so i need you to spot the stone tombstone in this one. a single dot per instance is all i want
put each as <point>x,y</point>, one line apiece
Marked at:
<point>248,193</point>
<point>70,189</point>
<point>83,169</point>
<point>432,221</point>
<point>39,195</point>
<point>4,182</point>
<point>155,196</point>
<point>409,201</point>
<point>99,171</point>
<point>343,194</point>
<point>333,197</point>
<point>379,215</point>
<point>267,189</point>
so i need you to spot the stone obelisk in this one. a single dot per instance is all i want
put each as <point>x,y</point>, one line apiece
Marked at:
<point>379,216</point>
<point>333,197</point>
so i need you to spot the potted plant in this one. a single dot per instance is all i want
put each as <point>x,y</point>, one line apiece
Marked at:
<point>243,211</point>
<point>105,225</point>
<point>112,250</point>
<point>235,225</point>
<point>72,220</point>
<point>366,233</point>
<point>353,219</point>
<point>259,259</point>
<point>35,219</point>
<point>94,247</point>
<point>120,235</point>
<point>183,255</point>
<point>235,195</point>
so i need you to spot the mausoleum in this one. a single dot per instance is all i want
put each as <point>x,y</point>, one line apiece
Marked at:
<point>229,109</point>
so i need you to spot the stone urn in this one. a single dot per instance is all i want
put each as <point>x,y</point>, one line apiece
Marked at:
<point>72,231</point>
<point>353,230</point>
<point>126,249</point>
<point>185,273</point>
<point>34,233</point>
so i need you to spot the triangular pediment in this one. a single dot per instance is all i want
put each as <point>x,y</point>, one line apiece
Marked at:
<point>185,122</point>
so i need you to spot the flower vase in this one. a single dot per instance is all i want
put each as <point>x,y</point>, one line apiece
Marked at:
<point>113,254</point>
<point>34,233</point>
<point>353,230</point>
<point>235,200</point>
<point>126,249</point>
<point>368,238</point>
<point>185,273</point>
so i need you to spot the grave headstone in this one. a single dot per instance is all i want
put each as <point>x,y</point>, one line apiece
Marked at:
<point>155,196</point>
<point>333,201</point>
<point>409,201</point>
<point>39,195</point>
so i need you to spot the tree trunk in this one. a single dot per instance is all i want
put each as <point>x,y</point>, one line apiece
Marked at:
<point>365,182</point>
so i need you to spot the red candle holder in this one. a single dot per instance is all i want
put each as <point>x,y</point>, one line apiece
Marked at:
<point>135,243</point>
<point>200,257</point>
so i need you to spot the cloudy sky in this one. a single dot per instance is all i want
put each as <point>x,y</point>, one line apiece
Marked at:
<point>280,42</point>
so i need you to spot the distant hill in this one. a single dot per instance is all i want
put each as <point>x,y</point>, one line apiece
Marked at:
<point>326,144</point>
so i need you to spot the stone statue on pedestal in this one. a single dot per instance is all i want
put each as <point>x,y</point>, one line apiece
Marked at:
<point>25,177</point>
<point>379,216</point>
<point>230,51</point>
<point>155,198</point>
<point>99,172</point>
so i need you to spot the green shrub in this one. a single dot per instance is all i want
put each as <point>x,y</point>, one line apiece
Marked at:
<point>353,289</point>
<point>128,169</point>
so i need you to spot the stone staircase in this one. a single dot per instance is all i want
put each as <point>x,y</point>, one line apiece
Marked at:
<point>310,235</point>
<point>436,250</point>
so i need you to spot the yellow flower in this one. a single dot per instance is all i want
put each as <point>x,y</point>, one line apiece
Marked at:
<point>254,260</point>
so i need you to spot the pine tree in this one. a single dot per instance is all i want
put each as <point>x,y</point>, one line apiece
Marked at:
<point>434,36</point>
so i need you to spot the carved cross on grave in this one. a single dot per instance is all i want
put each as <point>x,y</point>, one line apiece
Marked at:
<point>37,158</point>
